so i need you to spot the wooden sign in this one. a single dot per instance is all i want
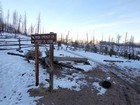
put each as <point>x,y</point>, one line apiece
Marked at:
<point>43,38</point>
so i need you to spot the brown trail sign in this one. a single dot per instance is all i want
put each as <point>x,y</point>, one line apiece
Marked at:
<point>43,38</point>
<point>37,39</point>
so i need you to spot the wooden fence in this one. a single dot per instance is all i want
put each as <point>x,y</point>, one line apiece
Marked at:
<point>16,44</point>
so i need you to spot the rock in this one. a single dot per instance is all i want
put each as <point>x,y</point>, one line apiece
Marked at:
<point>106,84</point>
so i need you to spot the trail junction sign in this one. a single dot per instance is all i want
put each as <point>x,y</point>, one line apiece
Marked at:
<point>43,38</point>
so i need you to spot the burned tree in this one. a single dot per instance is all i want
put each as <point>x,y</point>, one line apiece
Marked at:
<point>1,19</point>
<point>15,20</point>
<point>25,24</point>
<point>131,48</point>
<point>19,24</point>
<point>38,24</point>
<point>125,46</point>
<point>118,43</point>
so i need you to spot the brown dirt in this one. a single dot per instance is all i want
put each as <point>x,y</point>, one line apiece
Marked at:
<point>120,93</point>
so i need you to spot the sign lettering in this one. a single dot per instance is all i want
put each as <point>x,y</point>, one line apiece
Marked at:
<point>43,38</point>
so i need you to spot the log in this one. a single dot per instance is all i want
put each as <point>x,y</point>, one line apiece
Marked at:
<point>69,66</point>
<point>11,53</point>
<point>57,59</point>
<point>113,61</point>
<point>70,59</point>
<point>46,61</point>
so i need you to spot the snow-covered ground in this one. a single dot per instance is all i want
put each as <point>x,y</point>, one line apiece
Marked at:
<point>130,66</point>
<point>17,76</point>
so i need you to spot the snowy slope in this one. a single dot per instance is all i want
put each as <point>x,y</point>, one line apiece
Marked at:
<point>15,76</point>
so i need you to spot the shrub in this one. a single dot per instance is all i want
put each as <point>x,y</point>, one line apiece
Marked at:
<point>30,55</point>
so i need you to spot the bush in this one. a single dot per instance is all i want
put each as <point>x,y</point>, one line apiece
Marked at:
<point>30,55</point>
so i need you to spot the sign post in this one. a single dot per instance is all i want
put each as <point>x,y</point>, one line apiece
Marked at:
<point>51,66</point>
<point>44,39</point>
<point>36,64</point>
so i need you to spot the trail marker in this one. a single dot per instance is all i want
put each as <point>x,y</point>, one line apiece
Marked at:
<point>43,38</point>
<point>37,39</point>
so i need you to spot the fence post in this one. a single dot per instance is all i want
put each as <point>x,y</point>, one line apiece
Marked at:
<point>19,44</point>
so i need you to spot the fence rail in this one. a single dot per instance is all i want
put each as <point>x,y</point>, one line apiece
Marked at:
<point>18,43</point>
<point>14,44</point>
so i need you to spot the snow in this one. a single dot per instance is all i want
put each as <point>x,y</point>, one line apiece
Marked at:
<point>132,67</point>
<point>101,90</point>
<point>15,76</point>
<point>9,36</point>
<point>71,82</point>
<point>65,83</point>
<point>63,53</point>
<point>130,64</point>
<point>96,57</point>
<point>108,78</point>
<point>81,66</point>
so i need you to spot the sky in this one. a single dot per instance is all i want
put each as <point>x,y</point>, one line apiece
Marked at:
<point>106,18</point>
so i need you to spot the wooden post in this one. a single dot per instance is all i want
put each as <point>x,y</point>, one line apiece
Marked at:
<point>36,64</point>
<point>51,66</point>
<point>19,44</point>
<point>43,39</point>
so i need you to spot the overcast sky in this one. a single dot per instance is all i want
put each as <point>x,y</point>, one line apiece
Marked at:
<point>110,17</point>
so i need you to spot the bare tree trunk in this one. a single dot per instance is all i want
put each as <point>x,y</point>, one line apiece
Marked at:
<point>32,29</point>
<point>15,21</point>
<point>8,15</point>
<point>38,24</point>
<point>67,40</point>
<point>19,24</point>
<point>25,24</point>
<point>118,42</point>
<point>132,47</point>
<point>87,37</point>
<point>1,20</point>
<point>125,45</point>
